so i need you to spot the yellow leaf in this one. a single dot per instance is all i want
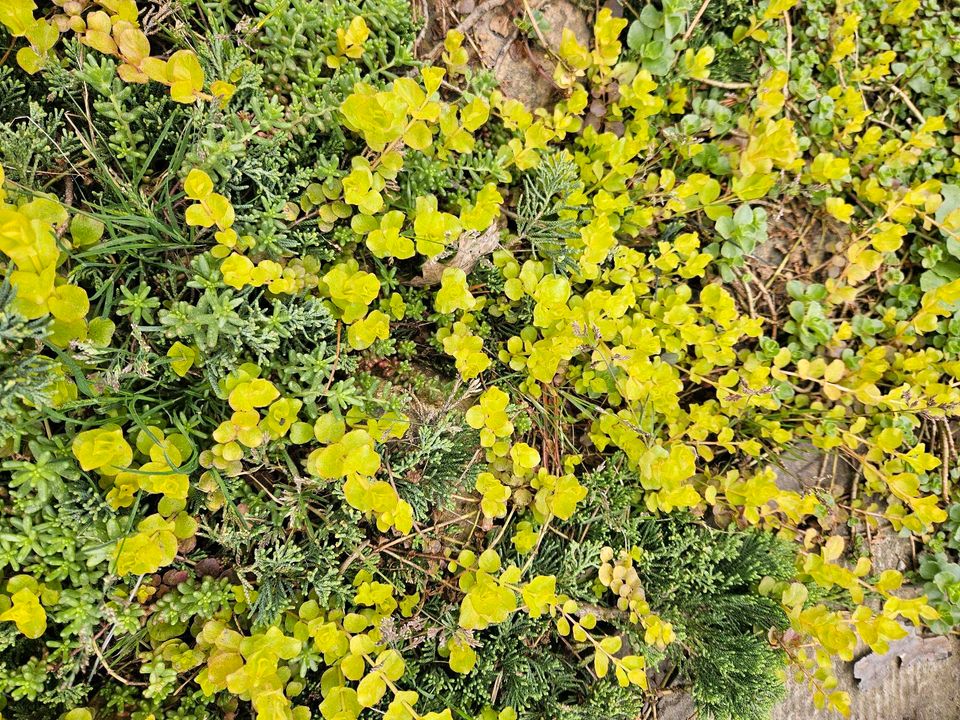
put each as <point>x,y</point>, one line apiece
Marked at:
<point>198,185</point>
<point>841,210</point>
<point>462,656</point>
<point>27,613</point>
<point>155,69</point>
<point>182,358</point>
<point>69,303</point>
<point>833,548</point>
<point>17,16</point>
<point>99,41</point>
<point>132,42</point>
<point>185,77</point>
<point>418,136</point>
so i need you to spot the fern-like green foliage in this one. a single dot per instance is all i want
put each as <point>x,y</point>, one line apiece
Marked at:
<point>608,701</point>
<point>733,62</point>
<point>436,460</point>
<point>542,217</point>
<point>530,675</point>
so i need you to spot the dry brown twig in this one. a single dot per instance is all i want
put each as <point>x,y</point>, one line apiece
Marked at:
<point>725,85</point>
<point>696,20</point>
<point>909,103</point>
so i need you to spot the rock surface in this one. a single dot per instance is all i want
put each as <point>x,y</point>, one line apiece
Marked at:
<point>522,68</point>
<point>925,689</point>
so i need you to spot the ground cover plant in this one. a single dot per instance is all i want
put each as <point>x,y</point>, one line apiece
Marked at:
<point>336,383</point>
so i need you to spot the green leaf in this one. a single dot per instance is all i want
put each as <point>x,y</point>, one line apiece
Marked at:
<point>85,230</point>
<point>30,60</point>
<point>182,358</point>
<point>100,331</point>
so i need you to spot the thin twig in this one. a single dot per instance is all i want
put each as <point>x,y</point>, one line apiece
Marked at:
<point>113,629</point>
<point>696,20</point>
<point>725,85</point>
<point>536,548</point>
<point>909,103</point>
<point>786,258</point>
<point>336,360</point>
<point>396,541</point>
<point>424,29</point>
<point>774,316</point>
<point>945,462</point>
<point>13,44</point>
<point>502,53</point>
<point>739,282</point>
<point>503,530</point>
<point>786,21</point>
<point>110,671</point>
<point>536,28</point>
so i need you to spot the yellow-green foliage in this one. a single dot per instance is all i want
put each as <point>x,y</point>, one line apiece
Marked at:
<point>626,342</point>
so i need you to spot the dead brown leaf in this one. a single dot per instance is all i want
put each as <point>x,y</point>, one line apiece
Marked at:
<point>501,25</point>
<point>472,246</point>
